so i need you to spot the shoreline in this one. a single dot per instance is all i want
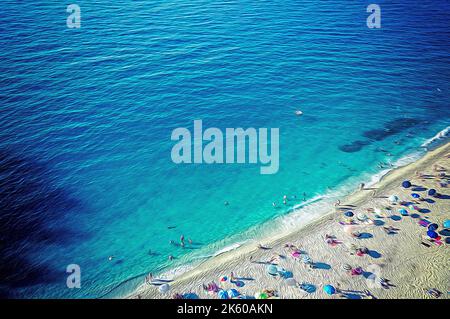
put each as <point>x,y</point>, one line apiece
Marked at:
<point>358,198</point>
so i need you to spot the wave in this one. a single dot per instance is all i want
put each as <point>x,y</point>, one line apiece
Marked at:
<point>437,140</point>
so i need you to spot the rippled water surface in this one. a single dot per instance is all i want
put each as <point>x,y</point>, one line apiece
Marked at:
<point>86,117</point>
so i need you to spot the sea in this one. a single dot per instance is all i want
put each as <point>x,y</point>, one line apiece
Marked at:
<point>86,117</point>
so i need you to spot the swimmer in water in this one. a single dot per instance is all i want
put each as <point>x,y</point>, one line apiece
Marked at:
<point>110,258</point>
<point>190,241</point>
<point>274,204</point>
<point>226,203</point>
<point>182,238</point>
<point>170,257</point>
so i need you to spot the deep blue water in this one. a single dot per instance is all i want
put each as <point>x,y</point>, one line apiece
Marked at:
<point>86,118</point>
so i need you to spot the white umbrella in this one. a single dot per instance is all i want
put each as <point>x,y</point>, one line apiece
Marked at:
<point>393,199</point>
<point>164,288</point>
<point>291,282</point>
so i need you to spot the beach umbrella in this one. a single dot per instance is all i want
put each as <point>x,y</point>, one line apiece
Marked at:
<point>329,289</point>
<point>348,229</point>
<point>349,214</point>
<point>295,254</point>
<point>432,192</point>
<point>233,293</point>
<point>291,282</point>
<point>272,270</point>
<point>362,217</point>
<point>164,288</point>
<point>415,195</point>
<point>406,184</point>
<point>306,259</point>
<point>223,278</point>
<point>433,227</point>
<point>222,294</point>
<point>347,267</point>
<point>432,234</point>
<point>357,271</point>
<point>446,224</point>
<point>393,199</point>
<point>403,212</point>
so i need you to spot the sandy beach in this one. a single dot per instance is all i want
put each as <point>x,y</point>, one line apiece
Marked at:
<point>383,254</point>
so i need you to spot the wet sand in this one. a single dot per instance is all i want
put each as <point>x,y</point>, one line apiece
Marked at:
<point>408,267</point>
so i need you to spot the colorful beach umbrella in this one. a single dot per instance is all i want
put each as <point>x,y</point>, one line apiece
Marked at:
<point>433,227</point>
<point>223,278</point>
<point>222,294</point>
<point>393,199</point>
<point>291,282</point>
<point>306,259</point>
<point>432,192</point>
<point>362,217</point>
<point>406,184</point>
<point>403,212</point>
<point>446,224</point>
<point>432,234</point>
<point>329,289</point>
<point>415,195</point>
<point>233,293</point>
<point>261,295</point>
<point>164,288</point>
<point>349,214</point>
<point>348,229</point>
<point>272,270</point>
<point>309,288</point>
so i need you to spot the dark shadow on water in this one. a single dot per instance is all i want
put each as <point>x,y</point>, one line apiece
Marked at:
<point>353,147</point>
<point>29,203</point>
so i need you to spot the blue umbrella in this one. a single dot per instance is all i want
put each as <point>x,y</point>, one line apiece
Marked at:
<point>432,192</point>
<point>233,293</point>
<point>446,224</point>
<point>309,288</point>
<point>329,289</point>
<point>349,214</point>
<point>403,212</point>
<point>433,227</point>
<point>432,234</point>
<point>272,270</point>
<point>415,195</point>
<point>406,184</point>
<point>222,294</point>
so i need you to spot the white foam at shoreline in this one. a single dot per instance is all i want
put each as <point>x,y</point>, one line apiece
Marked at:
<point>437,139</point>
<point>304,213</point>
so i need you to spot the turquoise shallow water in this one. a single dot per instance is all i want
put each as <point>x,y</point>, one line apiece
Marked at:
<point>86,118</point>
